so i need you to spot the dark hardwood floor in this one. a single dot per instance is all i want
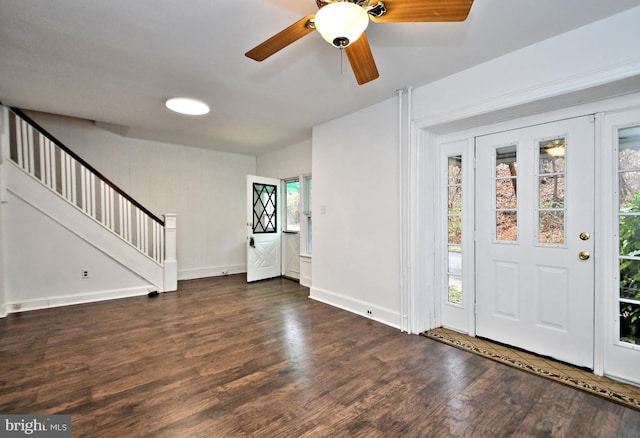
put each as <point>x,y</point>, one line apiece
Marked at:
<point>222,358</point>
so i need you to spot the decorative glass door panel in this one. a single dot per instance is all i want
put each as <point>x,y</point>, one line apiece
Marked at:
<point>265,213</point>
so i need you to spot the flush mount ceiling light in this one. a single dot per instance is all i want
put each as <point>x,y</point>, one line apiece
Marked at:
<point>188,106</point>
<point>341,23</point>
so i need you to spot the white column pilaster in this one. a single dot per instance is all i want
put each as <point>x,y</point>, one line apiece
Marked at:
<point>170,252</point>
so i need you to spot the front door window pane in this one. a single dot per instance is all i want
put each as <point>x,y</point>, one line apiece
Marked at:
<point>506,193</point>
<point>551,227</point>
<point>629,234</point>
<point>506,199</point>
<point>551,192</point>
<point>551,202</point>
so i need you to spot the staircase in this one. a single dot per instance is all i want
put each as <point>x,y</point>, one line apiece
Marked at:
<point>62,192</point>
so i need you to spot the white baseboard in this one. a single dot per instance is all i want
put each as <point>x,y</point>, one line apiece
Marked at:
<point>291,274</point>
<point>213,271</point>
<point>68,300</point>
<point>380,314</point>
<point>305,281</point>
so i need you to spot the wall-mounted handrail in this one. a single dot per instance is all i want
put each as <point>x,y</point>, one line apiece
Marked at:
<point>89,167</point>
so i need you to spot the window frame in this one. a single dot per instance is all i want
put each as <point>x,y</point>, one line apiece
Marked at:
<point>306,225</point>
<point>285,222</point>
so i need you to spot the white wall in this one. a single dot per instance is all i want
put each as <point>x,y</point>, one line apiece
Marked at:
<point>356,246</point>
<point>355,213</point>
<point>46,261</point>
<point>599,53</point>
<point>206,189</point>
<point>291,161</point>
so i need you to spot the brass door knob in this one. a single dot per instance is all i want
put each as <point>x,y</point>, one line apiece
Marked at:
<point>584,255</point>
<point>584,236</point>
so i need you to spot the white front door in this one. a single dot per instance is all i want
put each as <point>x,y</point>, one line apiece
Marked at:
<point>263,228</point>
<point>534,244</point>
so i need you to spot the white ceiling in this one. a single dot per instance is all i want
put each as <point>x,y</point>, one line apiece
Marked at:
<point>117,61</point>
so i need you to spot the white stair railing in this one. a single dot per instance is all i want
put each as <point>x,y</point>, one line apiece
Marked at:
<point>43,157</point>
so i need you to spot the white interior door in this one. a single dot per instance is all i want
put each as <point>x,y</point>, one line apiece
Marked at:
<point>263,228</point>
<point>534,245</point>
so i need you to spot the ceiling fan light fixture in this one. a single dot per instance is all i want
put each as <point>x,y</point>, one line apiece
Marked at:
<point>341,23</point>
<point>188,106</point>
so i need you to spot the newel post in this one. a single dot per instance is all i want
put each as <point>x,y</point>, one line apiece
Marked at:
<point>170,260</point>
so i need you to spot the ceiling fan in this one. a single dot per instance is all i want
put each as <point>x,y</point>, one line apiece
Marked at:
<point>342,24</point>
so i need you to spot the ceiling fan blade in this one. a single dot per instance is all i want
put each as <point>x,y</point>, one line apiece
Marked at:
<point>281,40</point>
<point>417,11</point>
<point>361,60</point>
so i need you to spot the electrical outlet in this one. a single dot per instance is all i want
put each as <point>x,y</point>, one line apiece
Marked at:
<point>84,274</point>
